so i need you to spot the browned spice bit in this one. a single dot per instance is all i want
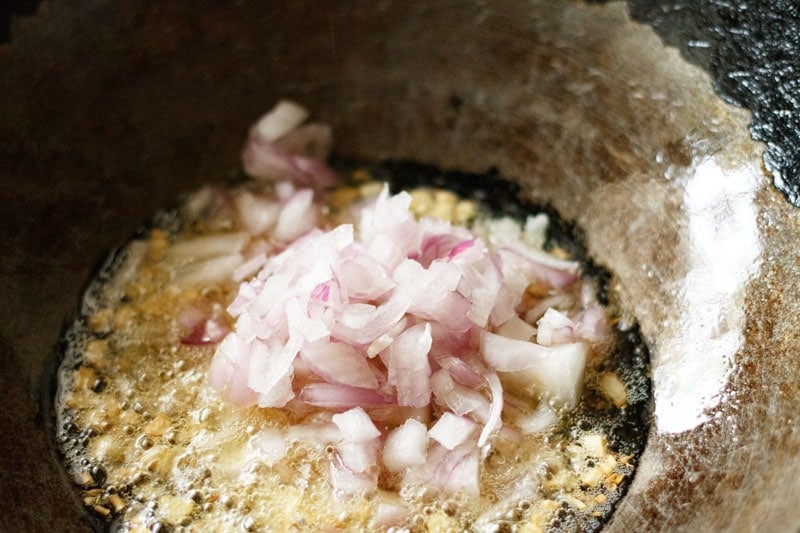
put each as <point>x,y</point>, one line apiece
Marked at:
<point>86,479</point>
<point>99,509</point>
<point>116,502</point>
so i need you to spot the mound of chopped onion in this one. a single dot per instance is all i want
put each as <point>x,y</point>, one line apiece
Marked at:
<point>427,340</point>
<point>419,317</point>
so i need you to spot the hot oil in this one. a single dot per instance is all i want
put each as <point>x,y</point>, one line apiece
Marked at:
<point>150,446</point>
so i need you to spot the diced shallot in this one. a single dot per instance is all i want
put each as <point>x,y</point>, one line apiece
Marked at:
<point>493,422</point>
<point>412,329</point>
<point>558,376</point>
<point>407,363</point>
<point>405,446</point>
<point>340,397</point>
<point>388,515</point>
<point>356,425</point>
<point>451,430</point>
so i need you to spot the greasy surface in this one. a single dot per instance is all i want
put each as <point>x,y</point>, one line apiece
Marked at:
<point>110,111</point>
<point>752,51</point>
<point>161,436</point>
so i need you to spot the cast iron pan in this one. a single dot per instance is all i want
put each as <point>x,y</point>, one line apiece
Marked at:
<point>110,110</point>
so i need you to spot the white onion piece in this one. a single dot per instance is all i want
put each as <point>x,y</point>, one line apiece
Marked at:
<point>509,355</point>
<point>133,255</point>
<point>347,482</point>
<point>300,323</point>
<point>516,328</point>
<point>249,267</point>
<point>451,430</point>
<point>541,419</point>
<point>271,372</point>
<point>459,399</point>
<point>200,327</point>
<point>462,372</point>
<point>535,231</point>
<point>480,283</point>
<point>388,515</point>
<point>448,470</point>
<point>559,300</point>
<point>207,246</point>
<point>493,422</point>
<point>390,217</point>
<point>541,266</point>
<point>555,328</point>
<point>505,303</point>
<point>558,376</point>
<point>209,330</point>
<point>406,360</point>
<point>362,323</point>
<point>214,270</point>
<point>297,216</point>
<point>592,324</point>
<point>362,277</point>
<point>405,446</point>
<point>356,425</point>
<point>230,369</point>
<point>255,213</point>
<point>339,363</point>
<point>360,457</point>
<point>334,396</point>
<point>270,162</point>
<point>280,120</point>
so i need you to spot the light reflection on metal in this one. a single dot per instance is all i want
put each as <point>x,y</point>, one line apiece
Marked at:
<point>695,358</point>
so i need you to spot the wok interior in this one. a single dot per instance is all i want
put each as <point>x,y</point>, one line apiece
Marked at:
<point>117,108</point>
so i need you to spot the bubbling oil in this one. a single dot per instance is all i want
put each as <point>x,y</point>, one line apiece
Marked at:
<point>151,447</point>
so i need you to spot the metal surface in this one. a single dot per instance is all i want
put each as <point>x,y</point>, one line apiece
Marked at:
<point>112,110</point>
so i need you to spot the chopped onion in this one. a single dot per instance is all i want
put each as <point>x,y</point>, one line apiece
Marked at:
<point>405,446</point>
<point>448,470</point>
<point>356,425</point>
<point>509,355</point>
<point>338,362</point>
<point>391,322</point>
<point>256,214</point>
<point>359,457</point>
<point>279,148</point>
<point>407,363</point>
<point>558,376</point>
<point>280,120</point>
<point>333,396</point>
<point>516,328</point>
<point>297,216</point>
<point>493,422</point>
<point>347,482</point>
<point>591,324</point>
<point>451,430</point>
<point>388,515</point>
<point>214,270</point>
<point>230,369</point>
<point>205,247</point>
<point>555,328</point>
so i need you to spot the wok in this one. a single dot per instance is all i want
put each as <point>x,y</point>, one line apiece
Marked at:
<point>110,110</point>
